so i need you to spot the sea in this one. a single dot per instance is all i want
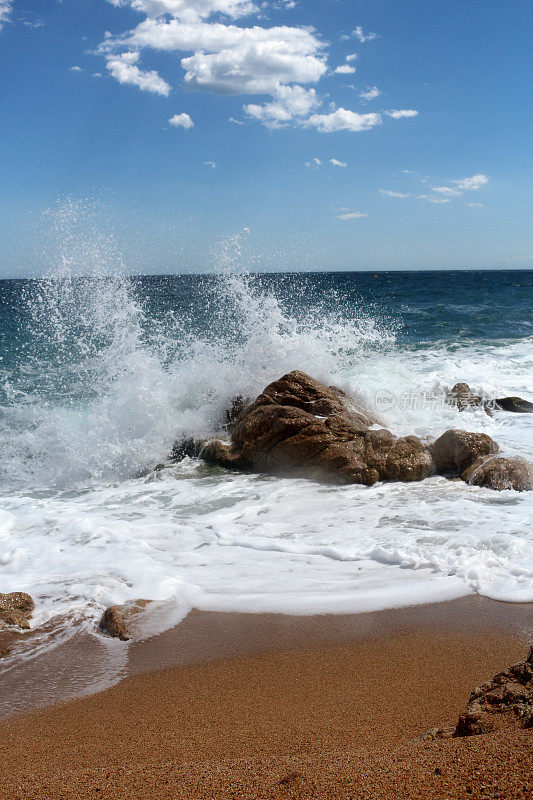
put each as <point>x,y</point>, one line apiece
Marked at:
<point>101,373</point>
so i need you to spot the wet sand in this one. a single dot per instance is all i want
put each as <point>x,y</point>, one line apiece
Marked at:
<point>253,706</point>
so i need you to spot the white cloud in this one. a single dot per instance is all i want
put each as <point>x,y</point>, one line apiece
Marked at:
<point>392,193</point>
<point>211,164</point>
<point>474,183</point>
<point>476,205</point>
<point>352,57</point>
<point>124,69</point>
<point>446,190</point>
<point>181,121</point>
<point>336,163</point>
<point>343,120</point>
<point>75,69</point>
<point>190,10</point>
<point>5,11</point>
<point>235,121</point>
<point>97,74</point>
<point>352,215</point>
<point>436,200</point>
<point>370,94</point>
<point>362,36</point>
<point>402,113</point>
<point>316,162</point>
<point>289,103</point>
<point>344,69</point>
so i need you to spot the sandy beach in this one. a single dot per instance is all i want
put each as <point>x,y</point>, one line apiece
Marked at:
<point>250,706</point>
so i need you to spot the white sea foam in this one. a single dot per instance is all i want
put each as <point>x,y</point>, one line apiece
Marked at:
<point>85,520</point>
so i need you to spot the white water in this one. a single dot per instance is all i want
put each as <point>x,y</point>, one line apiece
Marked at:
<point>80,530</point>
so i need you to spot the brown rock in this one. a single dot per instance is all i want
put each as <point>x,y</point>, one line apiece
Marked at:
<point>500,473</point>
<point>298,426</point>
<point>505,700</point>
<point>16,608</point>
<point>456,450</point>
<point>116,620</point>
<point>463,397</point>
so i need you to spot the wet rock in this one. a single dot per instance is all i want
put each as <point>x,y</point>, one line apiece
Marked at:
<point>16,608</point>
<point>116,620</point>
<point>456,450</point>
<point>497,472</point>
<point>184,448</point>
<point>506,700</point>
<point>514,404</point>
<point>298,426</point>
<point>463,397</point>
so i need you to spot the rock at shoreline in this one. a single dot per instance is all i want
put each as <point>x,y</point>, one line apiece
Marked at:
<point>505,700</point>
<point>500,473</point>
<point>16,608</point>
<point>116,620</point>
<point>514,404</point>
<point>299,427</point>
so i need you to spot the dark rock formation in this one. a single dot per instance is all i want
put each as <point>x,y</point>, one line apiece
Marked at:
<point>16,608</point>
<point>516,404</point>
<point>500,473</point>
<point>116,620</point>
<point>505,700</point>
<point>298,426</point>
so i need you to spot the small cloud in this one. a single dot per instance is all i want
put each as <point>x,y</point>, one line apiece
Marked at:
<point>351,215</point>
<point>125,69</point>
<point>316,162</point>
<point>75,69</point>
<point>181,121</point>
<point>211,164</point>
<point>97,74</point>
<point>342,119</point>
<point>476,205</point>
<point>391,193</point>
<point>436,200</point>
<point>235,121</point>
<point>402,113</point>
<point>352,57</point>
<point>344,69</point>
<point>474,183</point>
<point>362,36</point>
<point>336,163</point>
<point>446,190</point>
<point>370,94</point>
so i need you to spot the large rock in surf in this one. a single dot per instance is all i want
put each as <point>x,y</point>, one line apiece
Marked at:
<point>298,426</point>
<point>16,608</point>
<point>463,397</point>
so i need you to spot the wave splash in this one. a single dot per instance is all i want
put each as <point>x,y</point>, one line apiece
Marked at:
<point>102,387</point>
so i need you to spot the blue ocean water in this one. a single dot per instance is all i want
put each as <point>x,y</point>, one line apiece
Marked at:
<point>101,374</point>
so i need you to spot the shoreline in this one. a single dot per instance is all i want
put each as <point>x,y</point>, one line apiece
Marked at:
<point>242,700</point>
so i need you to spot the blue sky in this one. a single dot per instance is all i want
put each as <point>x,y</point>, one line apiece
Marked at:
<point>337,134</point>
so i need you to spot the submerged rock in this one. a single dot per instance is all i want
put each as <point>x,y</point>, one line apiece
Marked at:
<point>116,620</point>
<point>500,473</point>
<point>514,404</point>
<point>463,397</point>
<point>16,608</point>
